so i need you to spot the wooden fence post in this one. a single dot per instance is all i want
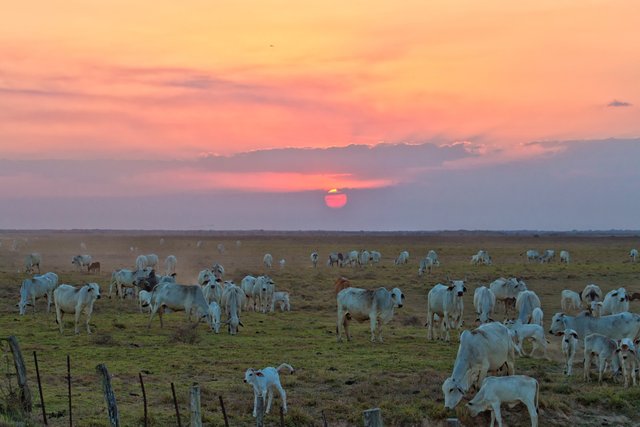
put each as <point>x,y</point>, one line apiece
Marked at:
<point>373,418</point>
<point>69,389</point>
<point>324,419</point>
<point>109,395</point>
<point>196,416</point>
<point>144,399</point>
<point>21,371</point>
<point>44,411</point>
<point>453,422</point>
<point>175,403</point>
<point>224,412</point>
<point>260,412</point>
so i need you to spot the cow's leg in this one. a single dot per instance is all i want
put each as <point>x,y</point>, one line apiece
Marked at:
<point>269,399</point>
<point>154,308</point>
<point>346,328</point>
<point>373,319</point>
<point>587,365</point>
<point>493,418</point>
<point>339,323</point>
<point>283,396</point>
<point>496,410</point>
<point>77,318</point>
<point>429,323</point>
<point>255,403</point>
<point>89,311</point>
<point>533,412</point>
<point>49,295</point>
<point>59,315</point>
<point>33,301</point>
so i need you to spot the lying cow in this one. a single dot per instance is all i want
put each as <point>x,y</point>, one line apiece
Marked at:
<point>75,300</point>
<point>511,389</point>
<point>364,304</point>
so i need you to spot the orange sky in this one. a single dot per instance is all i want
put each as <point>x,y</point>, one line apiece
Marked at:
<point>166,79</point>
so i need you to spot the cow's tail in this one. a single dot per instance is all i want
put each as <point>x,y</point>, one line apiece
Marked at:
<point>537,396</point>
<point>285,367</point>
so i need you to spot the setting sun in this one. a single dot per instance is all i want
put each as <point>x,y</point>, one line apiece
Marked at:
<point>335,199</point>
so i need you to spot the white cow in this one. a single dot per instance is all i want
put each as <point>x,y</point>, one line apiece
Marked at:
<point>214,312</point>
<point>537,317</point>
<point>141,262</point>
<point>616,301</point>
<point>247,285</point>
<point>433,256</point>
<point>606,352</point>
<point>498,390</point>
<point>375,257</point>
<point>170,264</point>
<point>595,308</point>
<point>507,290</point>
<point>629,359</point>
<point>334,259</point>
<point>569,347</point>
<point>484,302</point>
<point>220,248</point>
<point>152,260</point>
<point>615,326</point>
<point>426,264</point>
<point>32,260</point>
<point>81,261</point>
<point>179,298</point>
<point>205,276</point>
<point>482,257</point>
<point>548,256</point>
<point>264,381</point>
<point>212,291</point>
<point>403,258</point>
<point>526,302</point>
<point>565,257</point>
<point>377,306</point>
<point>532,255</point>
<point>486,348</point>
<point>75,300</point>
<point>282,298</point>
<point>364,257</point>
<point>522,331</point>
<point>446,302</point>
<point>282,262</point>
<point>144,300</point>
<point>354,258</point>
<point>267,260</point>
<point>591,293</point>
<point>124,279</point>
<point>633,255</point>
<point>232,300</point>
<point>570,300</point>
<point>37,287</point>
<point>266,288</point>
<point>314,259</point>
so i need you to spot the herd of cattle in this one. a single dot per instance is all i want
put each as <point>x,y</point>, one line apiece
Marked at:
<point>601,323</point>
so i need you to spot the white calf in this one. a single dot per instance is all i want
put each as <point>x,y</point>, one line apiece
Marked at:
<point>606,352</point>
<point>633,255</point>
<point>629,359</point>
<point>215,313</point>
<point>263,382</point>
<point>267,260</point>
<point>144,300</point>
<point>565,257</point>
<point>537,316</point>
<point>569,347</point>
<point>282,298</point>
<point>72,300</point>
<point>510,389</point>
<point>595,308</point>
<point>521,332</point>
<point>570,300</point>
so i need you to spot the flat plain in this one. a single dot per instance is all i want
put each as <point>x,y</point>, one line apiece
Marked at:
<point>402,376</point>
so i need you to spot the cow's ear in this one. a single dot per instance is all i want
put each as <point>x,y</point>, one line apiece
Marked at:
<point>574,334</point>
<point>614,294</point>
<point>617,350</point>
<point>259,374</point>
<point>464,288</point>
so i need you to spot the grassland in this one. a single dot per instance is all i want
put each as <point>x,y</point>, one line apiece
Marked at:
<point>402,376</point>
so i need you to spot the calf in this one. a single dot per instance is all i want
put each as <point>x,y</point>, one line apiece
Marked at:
<point>629,360</point>
<point>521,331</point>
<point>282,298</point>
<point>570,300</point>
<point>446,301</point>
<point>569,347</point>
<point>75,300</point>
<point>510,389</point>
<point>263,382</point>
<point>215,312</point>
<point>144,300</point>
<point>605,350</point>
<point>94,267</point>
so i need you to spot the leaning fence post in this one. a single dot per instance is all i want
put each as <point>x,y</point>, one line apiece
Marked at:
<point>324,419</point>
<point>175,403</point>
<point>69,389</point>
<point>260,412</point>
<point>109,395</point>
<point>453,422</point>
<point>44,411</point>
<point>224,412</point>
<point>196,416</point>
<point>144,399</point>
<point>373,418</point>
<point>21,371</point>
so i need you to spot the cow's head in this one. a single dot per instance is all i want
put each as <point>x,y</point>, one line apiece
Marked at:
<point>397,297</point>
<point>453,393</point>
<point>569,334</point>
<point>558,324</point>
<point>458,287</point>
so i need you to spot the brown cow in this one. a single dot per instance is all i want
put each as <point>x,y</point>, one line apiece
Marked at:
<point>94,267</point>
<point>342,283</point>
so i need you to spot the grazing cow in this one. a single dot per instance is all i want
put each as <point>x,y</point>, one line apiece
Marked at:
<point>264,381</point>
<point>365,256</point>
<point>403,258</point>
<point>232,300</point>
<point>214,312</point>
<point>537,316</point>
<point>314,259</point>
<point>616,301</point>
<point>615,326</point>
<point>282,298</point>
<point>633,255</point>
<point>179,298</point>
<point>498,390</point>
<point>486,348</point>
<point>426,264</point>
<point>124,279</point>
<point>570,300</point>
<point>565,257</point>
<point>220,248</point>
<point>548,256</point>
<point>433,256</point>
<point>521,331</point>
<point>31,261</point>
<point>484,302</point>
<point>75,300</point>
<point>526,302</point>
<point>334,258</point>
<point>532,255</point>
<point>569,347</point>
<point>341,283</point>
<point>507,290</point>
<point>141,262</point>
<point>81,261</point>
<point>170,264</point>
<point>605,350</point>
<point>354,258</point>
<point>629,360</point>
<point>37,287</point>
<point>363,304</point>
<point>247,285</point>
<point>144,300</point>
<point>482,257</point>
<point>94,267</point>
<point>267,260</point>
<point>375,257</point>
<point>152,260</point>
<point>446,302</point>
<point>591,293</point>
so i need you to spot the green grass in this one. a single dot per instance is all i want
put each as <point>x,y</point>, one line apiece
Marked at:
<point>402,376</point>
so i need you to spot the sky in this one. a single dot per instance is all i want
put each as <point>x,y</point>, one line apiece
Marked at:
<point>243,115</point>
